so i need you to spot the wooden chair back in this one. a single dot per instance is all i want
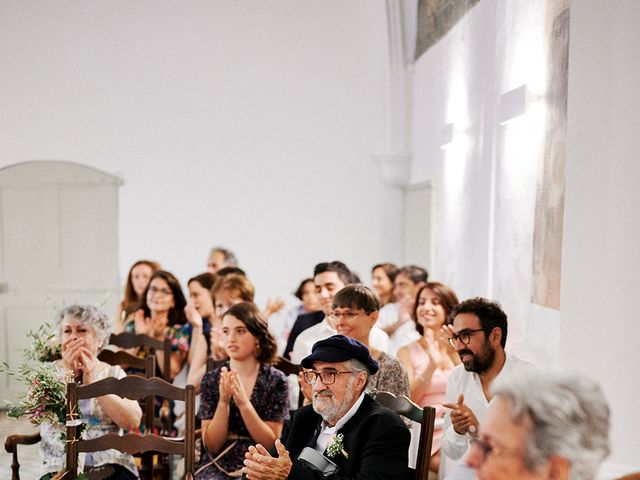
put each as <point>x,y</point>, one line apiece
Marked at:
<point>133,387</point>
<point>425,416</point>
<point>146,365</point>
<point>149,344</point>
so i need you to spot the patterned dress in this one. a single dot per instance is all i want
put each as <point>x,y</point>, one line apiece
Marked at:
<point>390,377</point>
<point>52,448</point>
<point>269,397</point>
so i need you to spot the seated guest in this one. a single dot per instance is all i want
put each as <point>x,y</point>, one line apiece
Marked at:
<point>396,318</point>
<point>542,427</point>
<point>382,277</point>
<point>199,310</point>
<point>430,360</point>
<point>228,290</point>
<point>137,282</point>
<point>362,438</point>
<point>479,335</point>
<point>354,311</point>
<point>329,279</point>
<point>162,315</point>
<point>306,293</point>
<point>200,314</point>
<point>82,331</point>
<point>220,258</point>
<point>243,401</point>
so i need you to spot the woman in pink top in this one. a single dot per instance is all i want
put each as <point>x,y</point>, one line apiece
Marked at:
<point>430,359</point>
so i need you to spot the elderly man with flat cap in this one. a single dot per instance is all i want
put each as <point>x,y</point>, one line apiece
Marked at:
<point>344,434</point>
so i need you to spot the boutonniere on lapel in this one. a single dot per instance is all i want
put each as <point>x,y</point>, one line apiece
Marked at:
<point>336,446</point>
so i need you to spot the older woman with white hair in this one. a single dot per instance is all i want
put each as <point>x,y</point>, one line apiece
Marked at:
<point>542,426</point>
<point>82,331</point>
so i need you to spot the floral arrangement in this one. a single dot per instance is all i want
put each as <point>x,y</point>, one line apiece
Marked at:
<point>46,394</point>
<point>336,446</point>
<point>46,383</point>
<point>44,347</point>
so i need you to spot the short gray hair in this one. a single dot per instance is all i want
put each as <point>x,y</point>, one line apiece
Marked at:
<point>89,315</point>
<point>355,365</point>
<point>569,418</point>
<point>230,259</point>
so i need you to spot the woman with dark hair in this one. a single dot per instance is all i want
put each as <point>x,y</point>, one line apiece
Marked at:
<point>382,277</point>
<point>430,359</point>
<point>161,315</point>
<point>243,401</point>
<point>137,282</point>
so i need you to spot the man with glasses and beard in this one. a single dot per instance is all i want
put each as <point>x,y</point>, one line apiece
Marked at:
<point>479,334</point>
<point>345,425</point>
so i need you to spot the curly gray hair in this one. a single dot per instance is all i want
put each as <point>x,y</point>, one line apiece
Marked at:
<point>89,315</point>
<point>569,417</point>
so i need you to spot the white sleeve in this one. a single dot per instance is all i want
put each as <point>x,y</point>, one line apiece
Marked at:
<point>298,351</point>
<point>388,315</point>
<point>453,445</point>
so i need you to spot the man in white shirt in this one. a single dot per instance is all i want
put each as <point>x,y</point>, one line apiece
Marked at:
<point>329,280</point>
<point>479,335</point>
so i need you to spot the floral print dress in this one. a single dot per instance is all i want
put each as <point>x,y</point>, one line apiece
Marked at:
<point>269,397</point>
<point>52,446</point>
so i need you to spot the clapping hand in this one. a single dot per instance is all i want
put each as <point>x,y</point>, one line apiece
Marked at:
<point>226,388</point>
<point>260,465</point>
<point>238,391</point>
<point>445,333</point>
<point>71,348</point>
<point>274,305</point>
<point>193,316</point>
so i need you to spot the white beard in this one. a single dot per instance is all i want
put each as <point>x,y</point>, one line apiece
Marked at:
<point>327,407</point>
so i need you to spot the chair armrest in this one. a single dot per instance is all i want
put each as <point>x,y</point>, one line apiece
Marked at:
<point>13,441</point>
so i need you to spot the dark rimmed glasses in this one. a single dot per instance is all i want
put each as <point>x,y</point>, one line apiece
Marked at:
<point>463,337</point>
<point>327,377</point>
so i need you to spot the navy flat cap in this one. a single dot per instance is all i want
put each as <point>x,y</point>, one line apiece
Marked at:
<point>339,348</point>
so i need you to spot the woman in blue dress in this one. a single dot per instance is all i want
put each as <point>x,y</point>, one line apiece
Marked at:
<point>244,400</point>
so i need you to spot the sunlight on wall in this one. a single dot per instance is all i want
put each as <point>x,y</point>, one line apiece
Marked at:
<point>457,115</point>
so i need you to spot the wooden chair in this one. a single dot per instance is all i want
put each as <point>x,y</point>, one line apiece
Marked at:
<point>150,345</point>
<point>146,365</point>
<point>287,367</point>
<point>127,340</point>
<point>132,387</point>
<point>425,416</point>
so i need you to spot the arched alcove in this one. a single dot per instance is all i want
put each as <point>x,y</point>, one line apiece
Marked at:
<point>58,245</point>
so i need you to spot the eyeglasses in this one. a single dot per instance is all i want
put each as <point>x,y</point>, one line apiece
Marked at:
<point>161,292</point>
<point>487,449</point>
<point>348,315</point>
<point>464,337</point>
<point>327,377</point>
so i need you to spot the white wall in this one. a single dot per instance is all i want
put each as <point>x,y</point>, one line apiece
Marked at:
<point>487,175</point>
<point>599,332</point>
<point>487,184</point>
<point>243,124</point>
